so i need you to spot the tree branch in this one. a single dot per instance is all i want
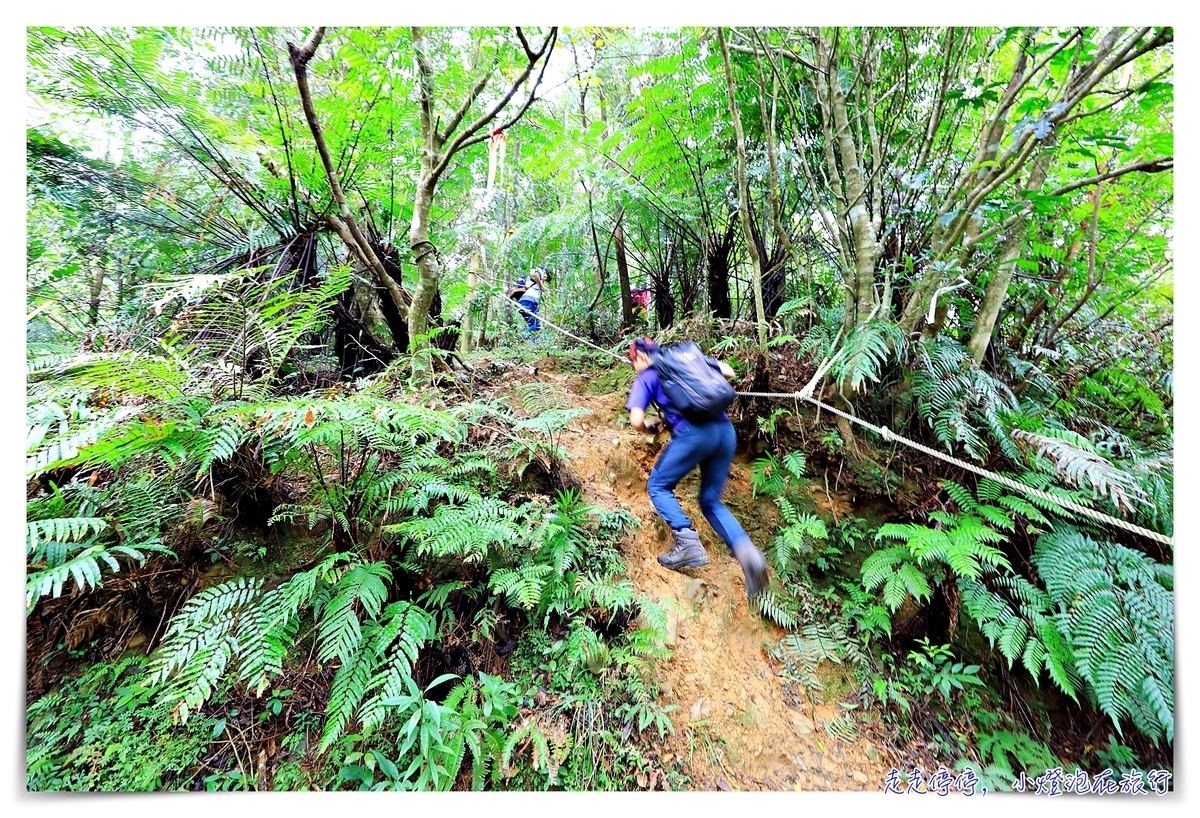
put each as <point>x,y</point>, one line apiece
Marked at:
<point>471,135</point>
<point>1158,165</point>
<point>299,59</point>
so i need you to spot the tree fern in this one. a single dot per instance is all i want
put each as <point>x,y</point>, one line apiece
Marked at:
<point>246,325</point>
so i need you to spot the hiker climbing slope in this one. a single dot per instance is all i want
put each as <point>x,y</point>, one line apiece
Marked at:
<point>691,393</point>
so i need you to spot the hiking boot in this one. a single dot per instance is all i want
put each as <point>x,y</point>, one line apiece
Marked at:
<point>754,567</point>
<point>687,552</point>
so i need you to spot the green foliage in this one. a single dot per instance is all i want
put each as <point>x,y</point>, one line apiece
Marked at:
<point>1115,609</point>
<point>865,352</point>
<point>960,401</point>
<point>367,458</point>
<point>248,327</point>
<point>426,742</point>
<point>101,731</point>
<point>794,545</point>
<point>188,230</point>
<point>812,643</point>
<point>473,532</point>
<point>871,620</point>
<point>547,579</point>
<point>935,671</point>
<point>239,629</point>
<point>894,569</point>
<point>929,675</point>
<point>64,542</point>
<point>962,543</point>
<point>1016,618</point>
<point>1075,460</point>
<point>1004,755</point>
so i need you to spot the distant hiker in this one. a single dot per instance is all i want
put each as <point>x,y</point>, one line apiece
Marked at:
<point>641,303</point>
<point>691,397</point>
<point>535,284</point>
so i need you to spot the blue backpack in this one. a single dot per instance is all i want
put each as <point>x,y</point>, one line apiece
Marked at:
<point>696,390</point>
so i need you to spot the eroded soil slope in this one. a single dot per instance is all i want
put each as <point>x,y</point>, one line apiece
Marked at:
<point>737,725</point>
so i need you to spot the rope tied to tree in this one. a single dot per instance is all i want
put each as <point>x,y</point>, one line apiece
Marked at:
<point>891,437</point>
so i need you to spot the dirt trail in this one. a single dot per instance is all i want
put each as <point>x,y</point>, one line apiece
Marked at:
<point>733,727</point>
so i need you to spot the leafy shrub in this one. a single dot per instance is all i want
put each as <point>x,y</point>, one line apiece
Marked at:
<point>102,731</point>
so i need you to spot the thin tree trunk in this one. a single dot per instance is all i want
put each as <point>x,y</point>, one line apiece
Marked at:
<point>465,332</point>
<point>623,279</point>
<point>299,58</point>
<point>96,289</point>
<point>438,149</point>
<point>997,289</point>
<point>744,193</point>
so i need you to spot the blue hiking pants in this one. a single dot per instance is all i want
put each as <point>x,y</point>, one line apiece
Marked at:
<point>709,446</point>
<point>529,313</point>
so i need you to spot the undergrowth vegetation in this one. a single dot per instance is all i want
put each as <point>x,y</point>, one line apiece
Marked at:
<point>302,510</point>
<point>435,541</point>
<point>1023,584</point>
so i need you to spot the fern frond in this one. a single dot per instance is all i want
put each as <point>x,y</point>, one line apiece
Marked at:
<point>865,352</point>
<point>1077,463</point>
<point>61,529</point>
<point>1115,618</point>
<point>340,630</point>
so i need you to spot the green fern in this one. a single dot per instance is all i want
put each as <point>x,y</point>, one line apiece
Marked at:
<point>794,544</point>
<point>959,400</point>
<point>894,569</point>
<point>1020,624</point>
<point>1115,610</point>
<point>1076,461</point>
<point>472,532</point>
<point>865,352</point>
<point>802,652</point>
<point>961,543</point>
<point>540,397</point>
<point>201,642</point>
<point>247,328</point>
<point>65,542</point>
<point>779,610</point>
<point>364,588</point>
<point>767,476</point>
<point>377,670</point>
<point>1005,754</point>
